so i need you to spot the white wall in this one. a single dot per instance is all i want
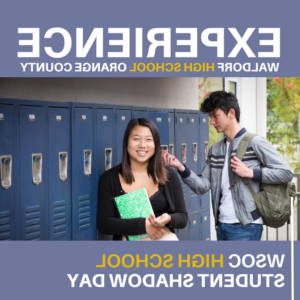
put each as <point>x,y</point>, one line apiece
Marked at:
<point>152,92</point>
<point>253,101</point>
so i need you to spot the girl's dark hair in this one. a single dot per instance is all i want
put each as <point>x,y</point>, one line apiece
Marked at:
<point>222,100</point>
<point>156,166</point>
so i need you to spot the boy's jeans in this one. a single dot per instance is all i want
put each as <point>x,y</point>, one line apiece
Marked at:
<point>236,232</point>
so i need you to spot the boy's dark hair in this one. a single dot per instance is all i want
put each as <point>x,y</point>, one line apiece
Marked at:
<point>156,167</point>
<point>222,100</point>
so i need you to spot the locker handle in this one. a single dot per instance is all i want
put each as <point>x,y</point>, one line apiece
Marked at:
<point>195,151</point>
<point>37,163</point>
<point>108,158</point>
<point>164,147</point>
<point>206,148</point>
<point>87,162</point>
<point>183,152</point>
<point>6,171</point>
<point>171,149</point>
<point>63,165</point>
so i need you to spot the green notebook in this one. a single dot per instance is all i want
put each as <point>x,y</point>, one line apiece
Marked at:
<point>134,205</point>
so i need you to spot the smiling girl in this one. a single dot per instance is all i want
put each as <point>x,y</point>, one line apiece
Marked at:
<point>142,167</point>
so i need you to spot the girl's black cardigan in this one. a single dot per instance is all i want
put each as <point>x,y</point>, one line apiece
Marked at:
<point>108,219</point>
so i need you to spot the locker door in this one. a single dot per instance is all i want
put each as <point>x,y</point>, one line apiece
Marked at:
<point>171,133</point>
<point>205,200</point>
<point>8,166</point>
<point>59,137</point>
<point>195,227</point>
<point>105,148</point>
<point>193,157</point>
<point>183,234</point>
<point>181,148</point>
<point>32,173</point>
<point>204,147</point>
<point>205,225</point>
<point>123,116</point>
<point>160,119</point>
<point>204,140</point>
<point>84,200</point>
<point>140,114</point>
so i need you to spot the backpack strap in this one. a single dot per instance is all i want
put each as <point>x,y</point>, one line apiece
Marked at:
<point>240,152</point>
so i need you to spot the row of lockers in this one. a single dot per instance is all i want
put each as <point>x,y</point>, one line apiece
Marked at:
<point>53,154</point>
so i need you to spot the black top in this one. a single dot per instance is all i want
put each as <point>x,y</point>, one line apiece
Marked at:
<point>108,218</point>
<point>159,202</point>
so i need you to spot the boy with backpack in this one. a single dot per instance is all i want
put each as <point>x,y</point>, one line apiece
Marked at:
<point>243,190</point>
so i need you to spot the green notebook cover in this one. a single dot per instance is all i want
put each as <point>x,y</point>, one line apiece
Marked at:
<point>134,205</point>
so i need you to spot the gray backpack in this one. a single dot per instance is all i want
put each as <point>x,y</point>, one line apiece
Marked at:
<point>273,202</point>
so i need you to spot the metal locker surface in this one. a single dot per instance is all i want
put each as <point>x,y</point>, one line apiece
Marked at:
<point>195,227</point>
<point>8,163</point>
<point>193,156</point>
<point>205,225</point>
<point>181,144</point>
<point>183,234</point>
<point>105,149</point>
<point>205,200</point>
<point>123,116</point>
<point>171,133</point>
<point>204,139</point>
<point>60,177</point>
<point>32,149</point>
<point>160,119</point>
<point>140,112</point>
<point>83,169</point>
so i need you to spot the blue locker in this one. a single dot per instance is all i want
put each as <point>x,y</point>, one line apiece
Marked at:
<point>84,202</point>
<point>32,174</point>
<point>204,139</point>
<point>183,234</point>
<point>204,147</point>
<point>105,146</point>
<point>8,167</point>
<point>205,226</point>
<point>181,144</point>
<point>195,226</point>
<point>193,156</point>
<point>160,119</point>
<point>171,133</point>
<point>180,130</point>
<point>122,118</point>
<point>59,168</point>
<point>140,112</point>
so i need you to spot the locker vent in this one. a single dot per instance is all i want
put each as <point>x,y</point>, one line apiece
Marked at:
<point>4,225</point>
<point>32,223</point>
<point>84,213</point>
<point>59,219</point>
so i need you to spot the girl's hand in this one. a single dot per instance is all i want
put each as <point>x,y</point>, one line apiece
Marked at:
<point>154,232</point>
<point>161,221</point>
<point>172,161</point>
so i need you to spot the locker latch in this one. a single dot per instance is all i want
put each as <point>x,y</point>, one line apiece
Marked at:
<point>171,149</point>
<point>1,117</point>
<point>6,171</point>
<point>87,162</point>
<point>63,165</point>
<point>206,148</point>
<point>183,152</point>
<point>37,163</point>
<point>108,158</point>
<point>195,151</point>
